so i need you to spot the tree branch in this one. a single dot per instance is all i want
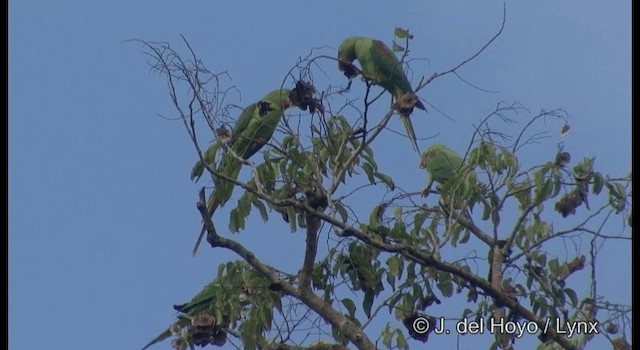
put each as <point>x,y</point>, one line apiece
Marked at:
<point>352,331</point>
<point>452,70</point>
<point>409,252</point>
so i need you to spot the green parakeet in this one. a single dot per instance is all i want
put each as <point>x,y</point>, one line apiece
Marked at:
<point>441,162</point>
<point>252,131</point>
<point>456,180</point>
<point>381,66</point>
<point>203,302</point>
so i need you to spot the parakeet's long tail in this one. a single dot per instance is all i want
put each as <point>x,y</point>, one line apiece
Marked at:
<point>167,333</point>
<point>164,335</point>
<point>224,188</point>
<point>213,205</point>
<point>406,121</point>
<point>200,237</point>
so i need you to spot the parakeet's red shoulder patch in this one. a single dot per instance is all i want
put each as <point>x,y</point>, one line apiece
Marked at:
<point>382,48</point>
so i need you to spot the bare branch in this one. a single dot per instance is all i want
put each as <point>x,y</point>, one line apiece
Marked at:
<point>422,84</point>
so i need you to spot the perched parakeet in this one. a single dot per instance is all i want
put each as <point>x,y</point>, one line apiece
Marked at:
<point>203,302</point>
<point>381,66</point>
<point>252,131</point>
<point>456,180</point>
<point>441,162</point>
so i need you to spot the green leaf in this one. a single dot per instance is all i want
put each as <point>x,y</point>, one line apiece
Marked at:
<point>369,159</point>
<point>557,186</point>
<point>571,294</point>
<point>394,266</point>
<point>234,221</point>
<point>288,141</point>
<point>553,266</point>
<point>291,214</point>
<point>367,302</point>
<point>465,237</point>
<point>393,301</point>
<point>454,231</point>
<point>397,213</point>
<point>486,212</point>
<point>261,208</point>
<point>267,317</point>
<point>598,183</point>
<point>396,48</point>
<point>209,157</point>
<point>391,280</point>
<point>386,336</point>
<point>538,178</point>
<point>350,305</point>
<point>386,179</point>
<point>221,268</point>
<point>445,285</point>
<point>399,231</point>
<point>377,214</point>
<point>197,171</point>
<point>418,221</point>
<point>621,192</point>
<point>543,193</point>
<point>401,33</point>
<point>342,211</point>
<point>523,195</point>
<point>616,196</point>
<point>544,308</point>
<point>368,169</point>
<point>401,342</point>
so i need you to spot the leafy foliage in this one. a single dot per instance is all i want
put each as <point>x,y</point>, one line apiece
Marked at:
<point>483,236</point>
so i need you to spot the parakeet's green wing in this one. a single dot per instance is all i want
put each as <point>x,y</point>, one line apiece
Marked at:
<point>244,119</point>
<point>379,62</point>
<point>209,154</point>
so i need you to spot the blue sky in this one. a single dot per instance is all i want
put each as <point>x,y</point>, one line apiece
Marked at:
<point>102,212</point>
